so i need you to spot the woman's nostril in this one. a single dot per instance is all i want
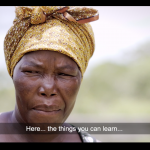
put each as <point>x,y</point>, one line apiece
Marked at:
<point>43,94</point>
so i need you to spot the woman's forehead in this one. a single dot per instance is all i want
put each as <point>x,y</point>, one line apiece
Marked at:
<point>46,57</point>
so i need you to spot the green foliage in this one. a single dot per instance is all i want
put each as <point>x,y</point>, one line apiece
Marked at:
<point>111,83</point>
<point>7,92</point>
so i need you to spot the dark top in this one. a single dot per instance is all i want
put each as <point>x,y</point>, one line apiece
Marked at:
<point>85,136</point>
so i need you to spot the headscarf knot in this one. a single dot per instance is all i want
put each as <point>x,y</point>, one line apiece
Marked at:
<point>41,13</point>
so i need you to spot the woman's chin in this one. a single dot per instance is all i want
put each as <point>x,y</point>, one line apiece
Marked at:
<point>45,117</point>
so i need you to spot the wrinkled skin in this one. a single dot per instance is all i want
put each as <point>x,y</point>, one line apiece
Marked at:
<point>46,85</point>
<point>45,77</point>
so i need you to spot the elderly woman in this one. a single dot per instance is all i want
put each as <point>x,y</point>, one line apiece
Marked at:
<point>47,51</point>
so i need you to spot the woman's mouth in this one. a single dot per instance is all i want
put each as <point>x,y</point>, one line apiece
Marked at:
<point>47,108</point>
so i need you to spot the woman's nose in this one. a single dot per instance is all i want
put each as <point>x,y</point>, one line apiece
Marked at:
<point>48,87</point>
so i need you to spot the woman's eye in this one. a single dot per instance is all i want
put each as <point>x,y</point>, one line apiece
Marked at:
<point>63,74</point>
<point>28,71</point>
<point>31,71</point>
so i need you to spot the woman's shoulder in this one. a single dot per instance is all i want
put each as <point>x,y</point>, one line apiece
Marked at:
<point>4,116</point>
<point>86,137</point>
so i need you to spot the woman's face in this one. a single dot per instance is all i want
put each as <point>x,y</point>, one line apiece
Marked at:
<point>46,84</point>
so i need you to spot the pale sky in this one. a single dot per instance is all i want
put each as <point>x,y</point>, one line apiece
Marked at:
<point>119,29</point>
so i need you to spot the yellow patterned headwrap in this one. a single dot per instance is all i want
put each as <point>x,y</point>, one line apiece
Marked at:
<point>58,28</point>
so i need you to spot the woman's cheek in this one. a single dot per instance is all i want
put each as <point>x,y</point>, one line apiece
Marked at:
<point>24,87</point>
<point>70,88</point>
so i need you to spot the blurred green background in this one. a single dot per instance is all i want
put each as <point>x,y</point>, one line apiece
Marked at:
<point>110,92</point>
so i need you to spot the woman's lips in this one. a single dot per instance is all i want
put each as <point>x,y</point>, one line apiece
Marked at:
<point>47,108</point>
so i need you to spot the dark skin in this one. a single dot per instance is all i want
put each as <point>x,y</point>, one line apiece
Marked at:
<point>46,85</point>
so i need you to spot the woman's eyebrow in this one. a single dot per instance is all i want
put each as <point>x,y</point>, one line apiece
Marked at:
<point>66,67</point>
<point>32,64</point>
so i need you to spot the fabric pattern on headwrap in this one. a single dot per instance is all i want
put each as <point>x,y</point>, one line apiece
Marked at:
<point>58,28</point>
